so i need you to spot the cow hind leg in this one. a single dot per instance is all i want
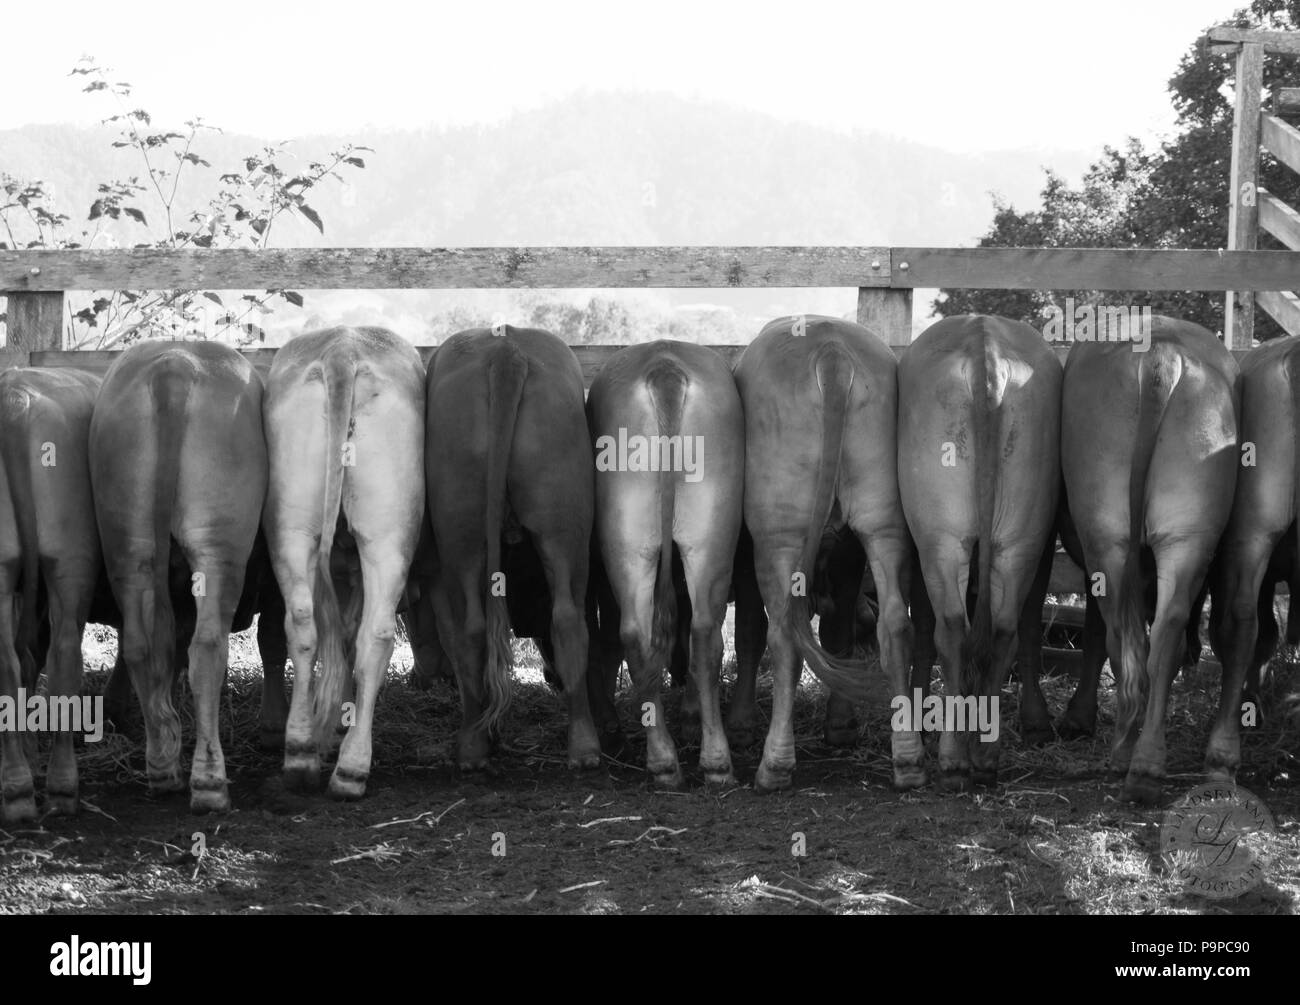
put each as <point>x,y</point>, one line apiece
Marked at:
<point>149,656</point>
<point>1239,623</point>
<point>707,579</point>
<point>1180,569</point>
<point>16,783</point>
<point>208,658</point>
<point>69,605</point>
<point>892,569</point>
<point>751,639</point>
<point>775,575</point>
<point>571,644</point>
<point>383,575</point>
<point>947,566</point>
<point>636,605</point>
<point>1035,721</point>
<point>272,647</point>
<point>301,755</point>
<point>1079,720</point>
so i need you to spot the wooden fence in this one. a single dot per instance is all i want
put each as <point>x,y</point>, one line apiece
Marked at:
<point>1250,206</point>
<point>35,282</point>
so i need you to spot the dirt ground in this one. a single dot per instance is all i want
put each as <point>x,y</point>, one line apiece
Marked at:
<point>536,838</point>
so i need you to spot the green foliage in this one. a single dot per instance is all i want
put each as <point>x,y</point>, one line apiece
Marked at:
<point>241,213</point>
<point>1176,197</point>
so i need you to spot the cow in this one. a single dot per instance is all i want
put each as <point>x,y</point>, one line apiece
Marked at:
<point>1259,543</point>
<point>979,472</point>
<point>668,430</point>
<point>821,404</point>
<point>511,483</point>
<point>345,438</point>
<point>1149,454</point>
<point>49,545</point>
<point>177,454</point>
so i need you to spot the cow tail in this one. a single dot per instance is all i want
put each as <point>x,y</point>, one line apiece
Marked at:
<point>170,386</point>
<point>1158,373</point>
<point>339,376</point>
<point>834,370</point>
<point>506,372</point>
<point>15,442</point>
<point>977,646</point>
<point>666,383</point>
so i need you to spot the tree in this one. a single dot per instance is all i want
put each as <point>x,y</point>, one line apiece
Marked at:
<point>1176,197</point>
<point>241,213</point>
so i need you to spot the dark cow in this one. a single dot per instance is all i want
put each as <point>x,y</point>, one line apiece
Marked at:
<point>345,435</point>
<point>49,544</point>
<point>511,482</point>
<point>820,398</point>
<point>1259,543</point>
<point>668,430</point>
<point>1149,453</point>
<point>979,472</point>
<point>176,453</point>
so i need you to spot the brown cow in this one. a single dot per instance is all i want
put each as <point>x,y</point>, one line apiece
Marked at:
<point>511,484</point>
<point>668,429</point>
<point>1149,453</point>
<point>979,471</point>
<point>345,434</point>
<point>177,453</point>
<point>49,542</point>
<point>820,398</point>
<point>1258,545</point>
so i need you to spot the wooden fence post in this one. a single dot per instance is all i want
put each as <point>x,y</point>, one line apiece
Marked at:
<point>887,312</point>
<point>34,323</point>
<point>1243,196</point>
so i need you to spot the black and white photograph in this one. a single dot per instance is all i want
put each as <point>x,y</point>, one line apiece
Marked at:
<point>703,458</point>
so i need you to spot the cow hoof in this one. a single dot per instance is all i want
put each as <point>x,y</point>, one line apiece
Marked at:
<point>63,803</point>
<point>302,777</point>
<point>347,786</point>
<point>586,761</point>
<point>20,809</point>
<point>772,779</point>
<point>984,777</point>
<point>1038,735</point>
<point>909,776</point>
<point>473,766</point>
<point>719,776</point>
<point>213,800</point>
<point>671,779</point>
<point>841,736</point>
<point>955,780</point>
<point>1145,790</point>
<point>162,784</point>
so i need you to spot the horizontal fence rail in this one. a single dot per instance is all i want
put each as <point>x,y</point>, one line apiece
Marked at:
<point>652,267</point>
<point>34,282</point>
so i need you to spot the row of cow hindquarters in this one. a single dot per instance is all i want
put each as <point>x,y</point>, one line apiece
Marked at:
<point>943,470</point>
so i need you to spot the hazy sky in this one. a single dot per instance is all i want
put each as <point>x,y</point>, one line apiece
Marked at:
<point>962,75</point>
